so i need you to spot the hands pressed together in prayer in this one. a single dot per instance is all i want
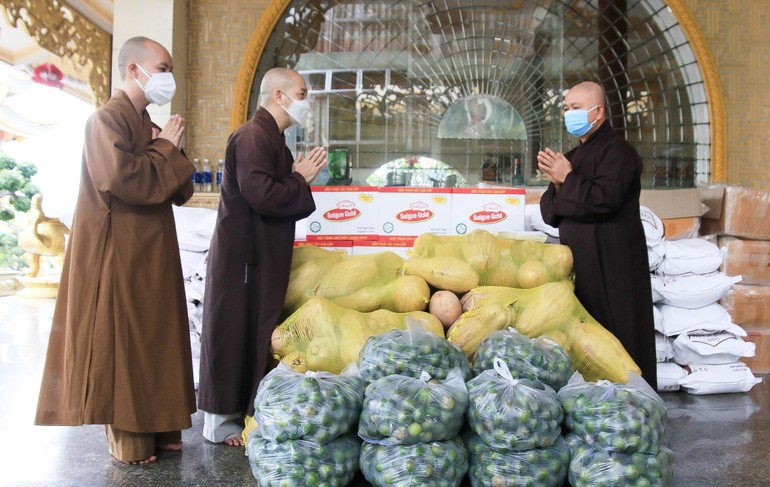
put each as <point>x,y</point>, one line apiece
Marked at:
<point>554,165</point>
<point>173,131</point>
<point>310,164</point>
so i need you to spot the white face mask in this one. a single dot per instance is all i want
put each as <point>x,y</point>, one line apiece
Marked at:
<point>298,110</point>
<point>160,87</point>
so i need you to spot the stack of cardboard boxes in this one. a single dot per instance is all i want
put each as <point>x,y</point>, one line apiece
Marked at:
<point>679,209</point>
<point>742,227</point>
<point>364,219</point>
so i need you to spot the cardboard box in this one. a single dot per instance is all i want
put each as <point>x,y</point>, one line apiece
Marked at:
<point>341,246</point>
<point>490,209</point>
<point>760,362</point>
<point>748,304</point>
<point>681,228</point>
<point>745,213</point>
<point>402,247</point>
<point>532,193</point>
<point>748,258</point>
<point>410,212</point>
<point>673,203</point>
<point>343,213</point>
<point>712,198</point>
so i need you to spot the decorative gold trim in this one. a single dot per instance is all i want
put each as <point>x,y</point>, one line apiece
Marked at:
<point>257,43</point>
<point>681,11</point>
<point>716,100</point>
<point>98,11</point>
<point>62,30</point>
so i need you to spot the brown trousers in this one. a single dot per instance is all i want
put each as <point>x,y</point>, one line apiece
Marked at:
<point>133,447</point>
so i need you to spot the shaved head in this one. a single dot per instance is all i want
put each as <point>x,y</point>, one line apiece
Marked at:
<point>587,92</point>
<point>135,50</point>
<point>283,79</point>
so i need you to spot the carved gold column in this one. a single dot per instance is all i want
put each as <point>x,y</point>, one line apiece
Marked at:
<point>63,31</point>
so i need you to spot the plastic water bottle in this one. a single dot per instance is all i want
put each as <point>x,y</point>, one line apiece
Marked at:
<point>197,175</point>
<point>206,176</point>
<point>518,177</point>
<point>220,168</point>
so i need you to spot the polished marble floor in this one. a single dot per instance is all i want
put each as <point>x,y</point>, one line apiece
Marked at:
<point>719,441</point>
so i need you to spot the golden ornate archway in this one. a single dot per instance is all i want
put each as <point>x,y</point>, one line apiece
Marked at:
<point>716,100</point>
<point>60,29</point>
<point>681,11</point>
<point>257,44</point>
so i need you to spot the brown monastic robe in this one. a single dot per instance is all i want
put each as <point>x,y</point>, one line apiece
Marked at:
<point>249,262</point>
<point>597,213</point>
<point>119,349</point>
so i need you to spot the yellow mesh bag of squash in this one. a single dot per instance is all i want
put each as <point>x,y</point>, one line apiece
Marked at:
<point>490,260</point>
<point>250,427</point>
<point>551,309</point>
<point>323,336</point>
<point>360,282</point>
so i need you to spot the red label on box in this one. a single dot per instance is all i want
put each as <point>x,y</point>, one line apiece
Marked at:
<point>492,213</point>
<point>418,212</point>
<point>345,211</point>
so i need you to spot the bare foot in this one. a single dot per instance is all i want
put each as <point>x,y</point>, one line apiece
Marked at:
<point>171,446</point>
<point>147,460</point>
<point>235,440</point>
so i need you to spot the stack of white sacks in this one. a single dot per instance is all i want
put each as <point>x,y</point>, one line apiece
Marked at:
<point>194,229</point>
<point>698,347</point>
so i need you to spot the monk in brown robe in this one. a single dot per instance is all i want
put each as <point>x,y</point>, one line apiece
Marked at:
<point>119,349</point>
<point>593,199</point>
<point>264,192</point>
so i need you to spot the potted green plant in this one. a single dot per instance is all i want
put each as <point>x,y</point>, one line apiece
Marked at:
<point>16,192</point>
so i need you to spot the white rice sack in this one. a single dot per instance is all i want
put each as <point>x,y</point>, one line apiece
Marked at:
<point>669,375</point>
<point>657,318</point>
<point>200,268</point>
<point>710,347</point>
<point>693,291</point>
<point>690,256</point>
<point>655,256</point>
<point>193,293</point>
<point>196,287</point>
<point>719,379</point>
<point>656,296</point>
<point>205,227</point>
<point>713,317</point>
<point>653,226</point>
<point>195,344</point>
<point>187,221</point>
<point>190,261</point>
<point>653,232</point>
<point>664,348</point>
<point>533,221</point>
<point>713,238</point>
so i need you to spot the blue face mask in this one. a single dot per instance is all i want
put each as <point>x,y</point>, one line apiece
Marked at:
<point>577,122</point>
